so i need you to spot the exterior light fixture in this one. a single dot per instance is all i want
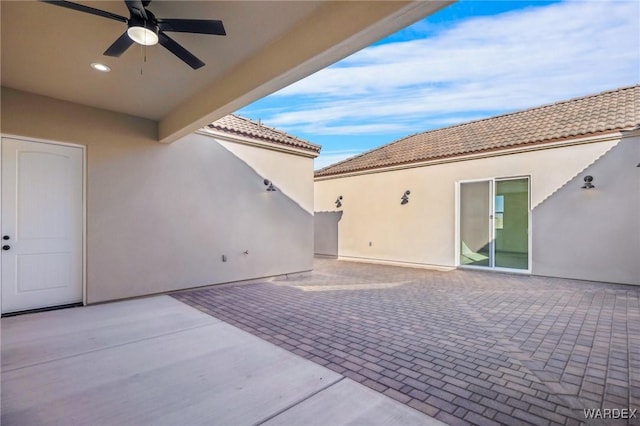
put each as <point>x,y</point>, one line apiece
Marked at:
<point>339,201</point>
<point>587,182</point>
<point>269,185</point>
<point>143,32</point>
<point>405,197</point>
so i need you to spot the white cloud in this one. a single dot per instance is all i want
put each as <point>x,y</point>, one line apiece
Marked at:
<point>480,66</point>
<point>331,157</point>
<point>355,129</point>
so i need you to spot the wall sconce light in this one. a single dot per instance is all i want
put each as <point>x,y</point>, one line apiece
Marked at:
<point>587,182</point>
<point>269,185</point>
<point>339,201</point>
<point>405,197</point>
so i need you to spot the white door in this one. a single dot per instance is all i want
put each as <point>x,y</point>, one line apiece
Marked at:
<point>42,224</point>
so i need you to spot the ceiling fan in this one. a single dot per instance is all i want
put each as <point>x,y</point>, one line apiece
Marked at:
<point>144,28</point>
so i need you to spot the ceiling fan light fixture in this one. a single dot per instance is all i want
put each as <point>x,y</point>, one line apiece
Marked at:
<point>143,33</point>
<point>145,29</point>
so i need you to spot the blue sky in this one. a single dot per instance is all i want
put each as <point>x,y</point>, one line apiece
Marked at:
<point>472,60</point>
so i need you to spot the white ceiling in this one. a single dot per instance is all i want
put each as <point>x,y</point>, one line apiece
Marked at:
<point>48,50</point>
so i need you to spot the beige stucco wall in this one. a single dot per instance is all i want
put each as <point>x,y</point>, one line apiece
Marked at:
<point>594,234</point>
<point>160,217</point>
<point>291,174</point>
<point>375,226</point>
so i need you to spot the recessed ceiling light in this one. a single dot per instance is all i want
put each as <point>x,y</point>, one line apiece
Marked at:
<point>100,67</point>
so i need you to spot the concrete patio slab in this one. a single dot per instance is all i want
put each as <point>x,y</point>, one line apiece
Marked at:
<point>46,336</point>
<point>158,361</point>
<point>348,403</point>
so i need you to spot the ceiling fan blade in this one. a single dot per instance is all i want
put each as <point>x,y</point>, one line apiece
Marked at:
<point>136,8</point>
<point>86,9</point>
<point>182,53</point>
<point>119,46</point>
<point>199,26</point>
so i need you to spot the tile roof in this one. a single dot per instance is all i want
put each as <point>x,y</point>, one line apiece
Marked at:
<point>607,111</point>
<point>236,125</point>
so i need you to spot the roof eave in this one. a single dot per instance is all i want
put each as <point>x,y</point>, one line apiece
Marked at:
<point>256,142</point>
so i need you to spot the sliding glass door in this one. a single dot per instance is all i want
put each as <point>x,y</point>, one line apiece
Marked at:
<point>494,223</point>
<point>512,224</point>
<point>475,226</point>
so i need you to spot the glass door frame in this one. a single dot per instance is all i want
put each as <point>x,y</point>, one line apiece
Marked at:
<point>491,224</point>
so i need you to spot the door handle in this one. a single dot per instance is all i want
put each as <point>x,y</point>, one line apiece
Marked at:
<point>6,247</point>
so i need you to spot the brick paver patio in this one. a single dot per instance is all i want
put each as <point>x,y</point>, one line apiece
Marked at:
<point>465,347</point>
